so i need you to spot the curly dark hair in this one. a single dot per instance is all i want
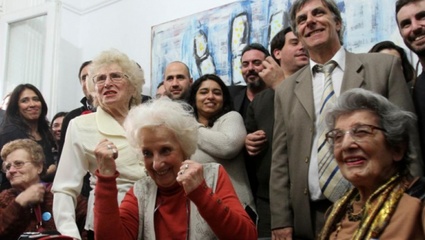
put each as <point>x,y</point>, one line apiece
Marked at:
<point>227,99</point>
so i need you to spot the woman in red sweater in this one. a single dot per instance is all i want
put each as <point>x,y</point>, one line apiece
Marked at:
<point>27,205</point>
<point>180,198</point>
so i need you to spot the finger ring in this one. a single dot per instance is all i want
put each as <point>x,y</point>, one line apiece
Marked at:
<point>109,146</point>
<point>114,153</point>
<point>186,166</point>
<point>181,172</point>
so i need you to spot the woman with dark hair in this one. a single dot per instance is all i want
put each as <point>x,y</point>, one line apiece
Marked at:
<point>26,118</point>
<point>221,134</point>
<point>56,125</point>
<point>389,47</point>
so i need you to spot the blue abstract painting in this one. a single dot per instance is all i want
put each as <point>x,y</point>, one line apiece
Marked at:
<point>212,41</point>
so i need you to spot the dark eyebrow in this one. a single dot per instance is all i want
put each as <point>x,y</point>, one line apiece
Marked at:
<point>404,22</point>
<point>420,15</point>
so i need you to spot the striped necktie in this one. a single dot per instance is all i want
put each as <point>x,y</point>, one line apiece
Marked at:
<point>332,183</point>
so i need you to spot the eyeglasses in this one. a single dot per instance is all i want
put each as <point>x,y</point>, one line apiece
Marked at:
<point>115,77</point>
<point>359,133</point>
<point>18,164</point>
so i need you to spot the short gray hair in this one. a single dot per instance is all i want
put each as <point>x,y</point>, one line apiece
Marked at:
<point>129,67</point>
<point>330,4</point>
<point>174,115</point>
<point>398,124</point>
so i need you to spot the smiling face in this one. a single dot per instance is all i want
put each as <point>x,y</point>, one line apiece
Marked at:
<point>411,24</point>
<point>367,163</point>
<point>162,154</point>
<point>209,100</point>
<point>27,175</point>
<point>29,105</point>
<point>113,94</point>
<point>292,56</point>
<point>252,64</point>
<point>317,28</point>
<point>56,127</point>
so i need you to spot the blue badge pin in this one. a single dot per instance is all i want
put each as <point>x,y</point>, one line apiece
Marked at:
<point>46,216</point>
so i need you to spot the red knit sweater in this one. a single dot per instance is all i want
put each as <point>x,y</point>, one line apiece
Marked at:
<point>222,210</point>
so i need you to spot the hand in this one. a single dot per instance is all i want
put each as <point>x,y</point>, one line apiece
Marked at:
<point>106,153</point>
<point>282,233</point>
<point>32,195</point>
<point>51,169</point>
<point>190,176</point>
<point>255,142</point>
<point>272,74</point>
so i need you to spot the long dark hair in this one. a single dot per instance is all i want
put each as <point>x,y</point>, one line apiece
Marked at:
<point>408,69</point>
<point>227,99</point>
<point>14,117</point>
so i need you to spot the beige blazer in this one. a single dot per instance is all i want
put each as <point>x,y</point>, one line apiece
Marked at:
<point>294,128</point>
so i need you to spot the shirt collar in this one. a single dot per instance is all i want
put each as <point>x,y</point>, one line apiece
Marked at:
<point>339,58</point>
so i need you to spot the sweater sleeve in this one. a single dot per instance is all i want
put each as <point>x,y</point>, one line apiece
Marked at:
<point>14,219</point>
<point>225,139</point>
<point>67,185</point>
<point>111,221</point>
<point>222,210</point>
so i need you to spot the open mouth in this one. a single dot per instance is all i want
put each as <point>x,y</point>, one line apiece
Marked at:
<point>418,38</point>
<point>210,104</point>
<point>161,173</point>
<point>109,92</point>
<point>354,160</point>
<point>314,32</point>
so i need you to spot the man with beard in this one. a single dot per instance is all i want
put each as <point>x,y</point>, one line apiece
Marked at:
<point>305,179</point>
<point>288,56</point>
<point>252,59</point>
<point>177,81</point>
<point>411,23</point>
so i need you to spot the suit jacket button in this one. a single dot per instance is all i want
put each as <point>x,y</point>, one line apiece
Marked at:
<point>305,191</point>
<point>306,159</point>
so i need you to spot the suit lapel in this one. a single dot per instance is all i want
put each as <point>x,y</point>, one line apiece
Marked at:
<point>304,91</point>
<point>353,73</point>
<point>238,99</point>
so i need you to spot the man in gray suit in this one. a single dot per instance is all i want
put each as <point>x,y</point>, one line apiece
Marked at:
<point>297,202</point>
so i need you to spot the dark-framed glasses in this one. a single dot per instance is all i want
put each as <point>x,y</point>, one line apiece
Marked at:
<point>115,77</point>
<point>359,133</point>
<point>18,164</point>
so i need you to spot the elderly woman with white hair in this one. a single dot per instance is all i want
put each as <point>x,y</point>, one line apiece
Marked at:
<point>370,138</point>
<point>115,82</point>
<point>180,198</point>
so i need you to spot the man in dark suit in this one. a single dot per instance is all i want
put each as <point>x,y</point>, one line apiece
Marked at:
<point>412,29</point>
<point>297,195</point>
<point>288,55</point>
<point>251,65</point>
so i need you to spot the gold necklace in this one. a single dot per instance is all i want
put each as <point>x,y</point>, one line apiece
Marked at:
<point>354,217</point>
<point>338,228</point>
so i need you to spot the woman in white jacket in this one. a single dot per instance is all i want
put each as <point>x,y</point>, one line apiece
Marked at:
<point>115,81</point>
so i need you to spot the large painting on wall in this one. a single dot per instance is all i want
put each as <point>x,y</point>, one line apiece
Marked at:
<point>211,41</point>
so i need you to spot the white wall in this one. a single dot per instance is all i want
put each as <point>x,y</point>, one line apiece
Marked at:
<point>124,25</point>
